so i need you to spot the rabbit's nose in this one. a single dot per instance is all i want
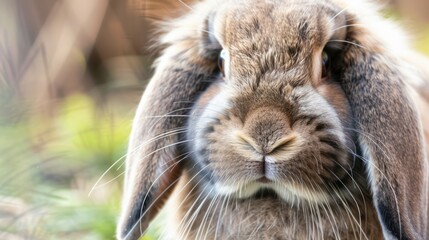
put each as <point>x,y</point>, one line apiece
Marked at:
<point>267,129</point>
<point>266,150</point>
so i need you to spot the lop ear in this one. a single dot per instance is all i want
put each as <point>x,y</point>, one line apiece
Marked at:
<point>153,162</point>
<point>390,134</point>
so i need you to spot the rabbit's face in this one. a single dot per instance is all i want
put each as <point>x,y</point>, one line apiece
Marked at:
<point>276,118</point>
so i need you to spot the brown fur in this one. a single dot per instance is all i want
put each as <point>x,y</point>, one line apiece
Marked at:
<point>274,116</point>
<point>266,218</point>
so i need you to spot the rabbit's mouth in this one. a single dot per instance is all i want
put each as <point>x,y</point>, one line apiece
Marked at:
<point>265,193</point>
<point>286,191</point>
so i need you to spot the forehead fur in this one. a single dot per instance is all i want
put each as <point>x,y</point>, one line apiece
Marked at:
<point>193,25</point>
<point>279,24</point>
<point>264,36</point>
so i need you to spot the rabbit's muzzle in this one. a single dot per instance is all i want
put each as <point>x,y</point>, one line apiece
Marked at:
<point>291,142</point>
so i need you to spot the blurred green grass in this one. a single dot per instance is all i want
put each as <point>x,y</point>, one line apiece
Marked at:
<point>422,41</point>
<point>50,164</point>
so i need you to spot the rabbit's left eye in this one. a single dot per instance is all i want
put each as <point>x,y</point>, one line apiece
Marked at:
<point>325,64</point>
<point>221,61</point>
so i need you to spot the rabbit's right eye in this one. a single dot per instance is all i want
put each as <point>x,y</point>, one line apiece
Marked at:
<point>221,62</point>
<point>325,64</point>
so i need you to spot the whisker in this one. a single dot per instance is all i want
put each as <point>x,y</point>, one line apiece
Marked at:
<point>138,221</point>
<point>116,162</point>
<point>359,223</point>
<point>186,5</point>
<point>336,15</point>
<point>371,164</point>
<point>349,25</point>
<point>345,41</point>
<point>196,212</point>
<point>110,181</point>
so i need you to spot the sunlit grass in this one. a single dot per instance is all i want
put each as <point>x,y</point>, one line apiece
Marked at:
<point>51,163</point>
<point>422,43</point>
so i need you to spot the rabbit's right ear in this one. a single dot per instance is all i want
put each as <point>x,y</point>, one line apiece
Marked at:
<point>153,163</point>
<point>389,130</point>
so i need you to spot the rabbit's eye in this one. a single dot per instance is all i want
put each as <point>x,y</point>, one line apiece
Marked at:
<point>325,64</point>
<point>221,61</point>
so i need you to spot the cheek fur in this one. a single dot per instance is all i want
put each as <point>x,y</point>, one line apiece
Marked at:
<point>336,97</point>
<point>207,96</point>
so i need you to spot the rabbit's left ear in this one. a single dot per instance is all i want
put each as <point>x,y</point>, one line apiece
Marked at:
<point>390,134</point>
<point>155,153</point>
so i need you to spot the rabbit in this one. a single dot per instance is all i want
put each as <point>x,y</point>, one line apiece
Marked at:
<point>281,119</point>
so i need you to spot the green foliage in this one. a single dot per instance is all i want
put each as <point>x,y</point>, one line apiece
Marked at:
<point>422,43</point>
<point>50,165</point>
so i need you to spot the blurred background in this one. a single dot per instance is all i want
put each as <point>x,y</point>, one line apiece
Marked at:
<point>71,75</point>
